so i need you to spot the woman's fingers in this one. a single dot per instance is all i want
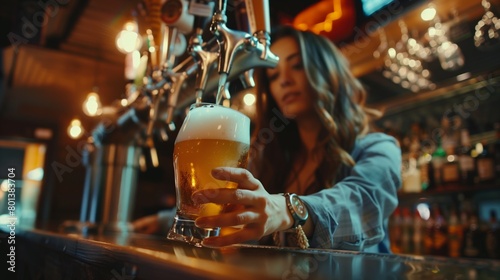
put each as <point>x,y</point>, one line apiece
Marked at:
<point>246,197</point>
<point>224,196</point>
<point>243,177</point>
<point>242,217</point>
<point>148,225</point>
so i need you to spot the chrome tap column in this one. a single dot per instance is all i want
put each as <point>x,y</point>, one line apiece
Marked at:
<point>110,188</point>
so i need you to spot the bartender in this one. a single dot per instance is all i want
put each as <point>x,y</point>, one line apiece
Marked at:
<point>318,175</point>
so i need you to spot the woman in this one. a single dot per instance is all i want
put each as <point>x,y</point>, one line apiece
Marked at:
<point>321,150</point>
<point>312,139</point>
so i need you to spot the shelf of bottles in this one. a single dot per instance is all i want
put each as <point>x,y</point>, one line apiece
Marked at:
<point>449,202</point>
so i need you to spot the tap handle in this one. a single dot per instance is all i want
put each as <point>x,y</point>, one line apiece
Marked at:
<point>259,21</point>
<point>258,15</point>
<point>151,47</point>
<point>178,80</point>
<point>247,79</point>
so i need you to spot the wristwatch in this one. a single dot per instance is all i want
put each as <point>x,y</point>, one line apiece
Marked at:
<point>297,209</point>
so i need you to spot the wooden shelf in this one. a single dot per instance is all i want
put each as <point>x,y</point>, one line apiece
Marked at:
<point>453,89</point>
<point>450,190</point>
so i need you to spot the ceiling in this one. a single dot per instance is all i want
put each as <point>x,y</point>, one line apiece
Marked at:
<point>75,49</point>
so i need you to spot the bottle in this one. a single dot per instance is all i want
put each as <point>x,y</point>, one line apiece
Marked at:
<point>424,163</point>
<point>440,229</point>
<point>496,152</point>
<point>395,230</point>
<point>411,177</point>
<point>418,224</point>
<point>407,232</point>
<point>454,235</point>
<point>450,170</point>
<point>465,159</point>
<point>484,164</point>
<point>492,239</point>
<point>437,161</point>
<point>428,240</point>
<point>472,244</point>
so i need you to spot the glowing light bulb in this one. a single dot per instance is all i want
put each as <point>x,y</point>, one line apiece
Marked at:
<point>129,40</point>
<point>249,99</point>
<point>92,105</point>
<point>428,14</point>
<point>75,129</point>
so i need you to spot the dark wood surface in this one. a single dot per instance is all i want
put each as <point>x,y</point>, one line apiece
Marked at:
<point>49,255</point>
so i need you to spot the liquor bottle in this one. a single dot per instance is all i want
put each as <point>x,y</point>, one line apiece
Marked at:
<point>418,224</point>
<point>407,232</point>
<point>465,159</point>
<point>440,229</point>
<point>395,230</point>
<point>411,176</point>
<point>484,164</point>
<point>428,240</point>
<point>438,159</point>
<point>473,241</point>
<point>450,170</point>
<point>496,152</point>
<point>454,235</point>
<point>493,237</point>
<point>424,163</point>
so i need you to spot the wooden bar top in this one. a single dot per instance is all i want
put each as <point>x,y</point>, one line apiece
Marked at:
<point>49,255</point>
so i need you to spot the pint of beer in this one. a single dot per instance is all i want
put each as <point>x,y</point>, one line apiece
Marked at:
<point>211,136</point>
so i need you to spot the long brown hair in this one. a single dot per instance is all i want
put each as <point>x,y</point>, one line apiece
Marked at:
<point>340,100</point>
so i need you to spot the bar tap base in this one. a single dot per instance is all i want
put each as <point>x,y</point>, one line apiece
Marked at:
<point>186,231</point>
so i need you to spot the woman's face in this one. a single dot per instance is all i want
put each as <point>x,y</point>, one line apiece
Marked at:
<point>288,82</point>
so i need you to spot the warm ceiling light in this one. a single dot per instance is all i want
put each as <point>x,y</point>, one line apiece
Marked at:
<point>92,105</point>
<point>75,129</point>
<point>249,99</point>
<point>129,40</point>
<point>428,14</point>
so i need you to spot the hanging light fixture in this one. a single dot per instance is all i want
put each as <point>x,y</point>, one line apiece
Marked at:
<point>428,13</point>
<point>92,105</point>
<point>75,129</point>
<point>129,39</point>
<point>487,33</point>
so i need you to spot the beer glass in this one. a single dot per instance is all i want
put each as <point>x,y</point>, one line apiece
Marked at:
<point>211,136</point>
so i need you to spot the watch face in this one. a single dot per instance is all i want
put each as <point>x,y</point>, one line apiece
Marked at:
<point>299,207</point>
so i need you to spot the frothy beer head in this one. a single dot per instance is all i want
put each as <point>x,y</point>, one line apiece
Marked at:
<point>209,121</point>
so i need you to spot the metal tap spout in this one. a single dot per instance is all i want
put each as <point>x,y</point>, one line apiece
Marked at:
<point>230,42</point>
<point>205,60</point>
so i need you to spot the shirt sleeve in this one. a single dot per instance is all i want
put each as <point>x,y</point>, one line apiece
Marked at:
<point>351,215</point>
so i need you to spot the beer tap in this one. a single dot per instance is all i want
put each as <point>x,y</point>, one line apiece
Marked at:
<point>177,82</point>
<point>204,58</point>
<point>230,43</point>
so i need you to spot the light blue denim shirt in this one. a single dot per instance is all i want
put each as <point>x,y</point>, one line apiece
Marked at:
<point>354,213</point>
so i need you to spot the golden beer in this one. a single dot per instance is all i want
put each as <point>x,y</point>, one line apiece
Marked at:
<point>193,161</point>
<point>211,136</point>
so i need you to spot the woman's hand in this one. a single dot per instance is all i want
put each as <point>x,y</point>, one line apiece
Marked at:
<point>258,212</point>
<point>148,224</point>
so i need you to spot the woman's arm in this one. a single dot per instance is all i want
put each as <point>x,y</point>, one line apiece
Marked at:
<point>351,214</point>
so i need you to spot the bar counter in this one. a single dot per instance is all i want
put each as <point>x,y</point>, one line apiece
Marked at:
<point>44,254</point>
